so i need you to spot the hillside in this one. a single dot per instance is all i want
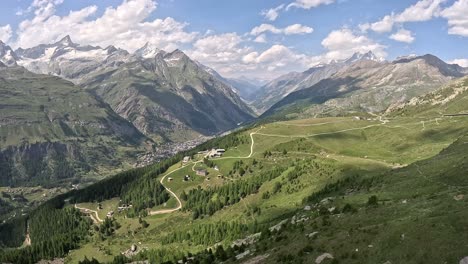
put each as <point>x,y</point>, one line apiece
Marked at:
<point>449,100</point>
<point>367,190</point>
<point>52,131</point>
<point>368,86</point>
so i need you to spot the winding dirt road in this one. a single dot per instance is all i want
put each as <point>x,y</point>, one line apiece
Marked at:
<point>179,203</point>
<point>95,219</point>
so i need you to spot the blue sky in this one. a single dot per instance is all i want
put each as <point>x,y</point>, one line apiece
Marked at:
<point>241,37</point>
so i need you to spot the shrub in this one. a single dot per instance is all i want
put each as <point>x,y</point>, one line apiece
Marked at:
<point>373,201</point>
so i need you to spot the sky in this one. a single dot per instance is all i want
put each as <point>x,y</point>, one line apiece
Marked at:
<point>254,38</point>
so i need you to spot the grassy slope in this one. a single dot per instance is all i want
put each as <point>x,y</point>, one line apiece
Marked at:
<point>342,147</point>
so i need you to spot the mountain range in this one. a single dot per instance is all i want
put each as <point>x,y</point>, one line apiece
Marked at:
<point>282,86</point>
<point>361,84</point>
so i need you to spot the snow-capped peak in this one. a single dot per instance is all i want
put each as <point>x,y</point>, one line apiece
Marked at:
<point>148,51</point>
<point>70,60</point>
<point>7,55</point>
<point>358,56</point>
<point>65,41</point>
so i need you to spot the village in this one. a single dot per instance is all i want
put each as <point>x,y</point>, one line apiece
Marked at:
<point>166,150</point>
<point>201,170</point>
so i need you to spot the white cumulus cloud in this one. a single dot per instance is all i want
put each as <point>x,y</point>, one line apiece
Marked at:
<point>403,35</point>
<point>231,55</point>
<point>297,29</point>
<point>461,62</point>
<point>272,13</point>
<point>125,26</point>
<point>343,43</point>
<point>289,30</point>
<point>384,25</point>
<point>260,38</point>
<point>5,33</point>
<point>457,17</point>
<point>276,57</point>
<point>265,28</point>
<point>308,4</point>
<point>422,10</point>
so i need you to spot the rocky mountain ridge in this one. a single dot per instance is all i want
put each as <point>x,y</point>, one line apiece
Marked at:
<point>284,85</point>
<point>370,86</point>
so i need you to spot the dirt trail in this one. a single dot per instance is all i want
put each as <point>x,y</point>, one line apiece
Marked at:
<point>95,217</point>
<point>179,203</point>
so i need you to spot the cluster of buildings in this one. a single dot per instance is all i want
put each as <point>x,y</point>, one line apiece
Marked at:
<point>213,153</point>
<point>124,207</point>
<point>167,150</point>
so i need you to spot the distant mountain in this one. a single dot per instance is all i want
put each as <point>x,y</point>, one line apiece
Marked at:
<point>369,86</point>
<point>70,60</point>
<point>7,55</point>
<point>259,82</point>
<point>148,51</point>
<point>52,132</point>
<point>245,88</point>
<point>358,56</point>
<point>169,97</point>
<point>279,88</point>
